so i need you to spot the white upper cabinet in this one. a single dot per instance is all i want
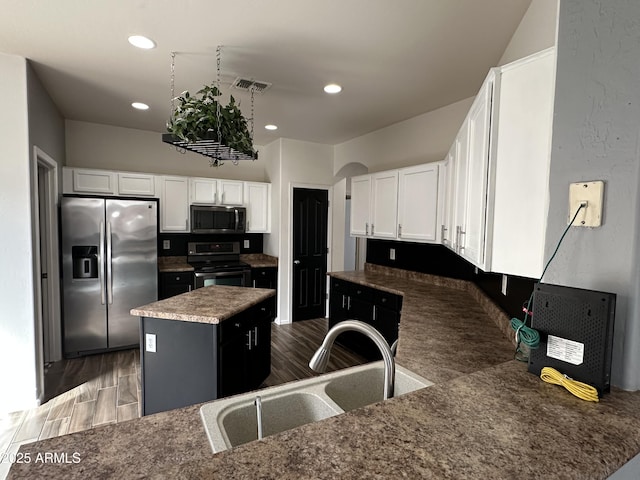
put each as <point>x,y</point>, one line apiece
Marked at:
<point>100,182</point>
<point>230,192</point>
<point>384,204</point>
<point>498,170</point>
<point>256,199</point>
<point>107,182</point>
<point>174,204</point>
<point>448,174</point>
<point>136,184</point>
<point>374,205</point>
<point>203,191</point>
<point>360,205</point>
<point>404,204</point>
<point>473,230</point>
<point>418,203</point>
<point>522,165</point>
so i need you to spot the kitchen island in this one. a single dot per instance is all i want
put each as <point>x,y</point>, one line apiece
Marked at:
<point>486,417</point>
<point>203,345</point>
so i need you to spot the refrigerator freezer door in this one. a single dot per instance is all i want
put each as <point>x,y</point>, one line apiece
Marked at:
<point>85,311</point>
<point>132,245</point>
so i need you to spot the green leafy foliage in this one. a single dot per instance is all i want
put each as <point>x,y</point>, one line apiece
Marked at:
<point>196,118</point>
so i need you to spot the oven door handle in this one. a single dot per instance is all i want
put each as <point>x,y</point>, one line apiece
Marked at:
<point>219,274</point>
<point>237,218</point>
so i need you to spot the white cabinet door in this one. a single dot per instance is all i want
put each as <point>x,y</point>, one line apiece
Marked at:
<point>447,229</point>
<point>360,205</point>
<point>418,203</point>
<point>523,156</point>
<point>473,231</point>
<point>203,191</point>
<point>230,192</point>
<point>460,178</point>
<point>257,198</point>
<point>102,182</point>
<point>384,204</point>
<point>137,184</point>
<point>174,204</point>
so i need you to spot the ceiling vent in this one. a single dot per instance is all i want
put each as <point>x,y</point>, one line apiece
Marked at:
<point>246,84</point>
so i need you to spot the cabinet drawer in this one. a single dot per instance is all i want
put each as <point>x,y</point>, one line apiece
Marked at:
<point>388,300</point>
<point>177,278</point>
<point>363,293</point>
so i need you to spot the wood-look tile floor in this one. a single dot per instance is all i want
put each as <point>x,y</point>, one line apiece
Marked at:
<point>97,390</point>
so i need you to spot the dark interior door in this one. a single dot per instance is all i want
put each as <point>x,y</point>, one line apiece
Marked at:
<point>309,252</point>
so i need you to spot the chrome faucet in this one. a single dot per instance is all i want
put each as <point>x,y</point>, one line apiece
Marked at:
<point>320,359</point>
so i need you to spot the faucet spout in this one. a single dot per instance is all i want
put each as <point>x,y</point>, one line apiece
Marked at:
<point>318,362</point>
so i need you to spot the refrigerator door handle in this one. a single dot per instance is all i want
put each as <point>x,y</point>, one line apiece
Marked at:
<point>109,270</point>
<point>101,260</point>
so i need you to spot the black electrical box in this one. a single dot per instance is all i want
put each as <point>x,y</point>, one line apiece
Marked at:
<point>576,333</point>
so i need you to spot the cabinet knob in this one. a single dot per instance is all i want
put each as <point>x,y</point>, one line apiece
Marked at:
<point>237,325</point>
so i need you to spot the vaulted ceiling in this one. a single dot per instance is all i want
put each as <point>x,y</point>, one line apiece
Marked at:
<point>395,59</point>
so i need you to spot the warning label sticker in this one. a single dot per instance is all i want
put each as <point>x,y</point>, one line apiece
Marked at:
<point>565,350</point>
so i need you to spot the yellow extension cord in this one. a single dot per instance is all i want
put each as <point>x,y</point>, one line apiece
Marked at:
<point>579,389</point>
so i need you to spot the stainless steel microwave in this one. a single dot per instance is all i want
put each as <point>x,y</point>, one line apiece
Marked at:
<point>218,219</point>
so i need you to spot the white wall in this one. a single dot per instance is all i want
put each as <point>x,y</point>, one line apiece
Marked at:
<point>536,31</point>
<point>292,163</point>
<point>17,336</point>
<point>93,145</point>
<point>422,139</point>
<point>596,137</point>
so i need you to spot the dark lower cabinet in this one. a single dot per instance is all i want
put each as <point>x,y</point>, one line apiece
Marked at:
<point>351,301</point>
<point>245,349</point>
<point>265,277</point>
<point>184,363</point>
<point>174,283</point>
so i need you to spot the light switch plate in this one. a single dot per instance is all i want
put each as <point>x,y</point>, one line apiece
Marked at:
<point>392,254</point>
<point>166,244</point>
<point>593,194</point>
<point>247,244</point>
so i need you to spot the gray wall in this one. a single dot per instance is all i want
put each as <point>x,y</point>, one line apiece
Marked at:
<point>46,125</point>
<point>595,137</point>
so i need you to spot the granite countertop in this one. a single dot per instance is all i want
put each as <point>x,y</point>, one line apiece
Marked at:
<point>486,416</point>
<point>211,304</point>
<point>173,264</point>
<point>259,260</point>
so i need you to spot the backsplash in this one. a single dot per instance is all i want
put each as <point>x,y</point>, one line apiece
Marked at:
<point>439,260</point>
<point>178,242</point>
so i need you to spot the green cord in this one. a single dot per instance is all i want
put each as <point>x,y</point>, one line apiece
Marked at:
<point>527,335</point>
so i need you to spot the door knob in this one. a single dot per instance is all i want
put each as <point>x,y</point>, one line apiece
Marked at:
<point>296,262</point>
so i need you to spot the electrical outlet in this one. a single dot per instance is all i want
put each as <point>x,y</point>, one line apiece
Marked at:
<point>166,244</point>
<point>503,289</point>
<point>247,244</point>
<point>392,254</point>
<point>150,342</point>
<point>590,194</point>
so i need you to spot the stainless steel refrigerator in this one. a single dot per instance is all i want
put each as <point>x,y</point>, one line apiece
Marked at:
<point>109,265</point>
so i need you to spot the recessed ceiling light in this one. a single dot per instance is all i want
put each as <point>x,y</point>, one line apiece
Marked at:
<point>140,106</point>
<point>333,88</point>
<point>271,127</point>
<point>141,41</point>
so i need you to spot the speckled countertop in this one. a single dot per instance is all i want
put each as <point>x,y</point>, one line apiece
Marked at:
<point>211,304</point>
<point>259,260</point>
<point>173,264</point>
<point>486,417</point>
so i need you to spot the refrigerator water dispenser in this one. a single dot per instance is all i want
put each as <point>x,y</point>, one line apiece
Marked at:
<point>85,261</point>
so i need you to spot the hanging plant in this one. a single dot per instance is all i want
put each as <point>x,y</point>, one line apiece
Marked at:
<point>202,117</point>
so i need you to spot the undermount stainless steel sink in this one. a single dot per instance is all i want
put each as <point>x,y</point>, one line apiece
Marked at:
<point>232,421</point>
